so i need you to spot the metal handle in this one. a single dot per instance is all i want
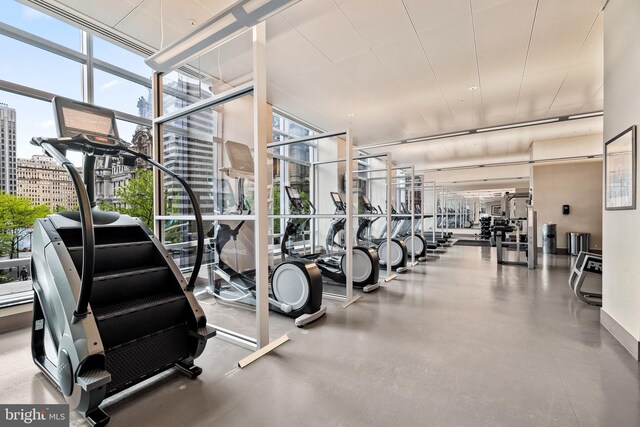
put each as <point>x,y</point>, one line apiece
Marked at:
<point>86,225</point>
<point>196,210</point>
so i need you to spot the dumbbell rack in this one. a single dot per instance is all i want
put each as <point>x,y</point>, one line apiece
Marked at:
<point>485,228</point>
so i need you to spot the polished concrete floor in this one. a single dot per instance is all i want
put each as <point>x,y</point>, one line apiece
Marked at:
<point>457,342</point>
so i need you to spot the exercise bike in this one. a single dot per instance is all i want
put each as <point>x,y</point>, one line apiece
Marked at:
<point>399,252</point>
<point>110,306</point>
<point>366,265</point>
<point>295,285</point>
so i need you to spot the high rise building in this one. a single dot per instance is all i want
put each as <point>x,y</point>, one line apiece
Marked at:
<point>189,148</point>
<point>45,182</point>
<point>7,149</point>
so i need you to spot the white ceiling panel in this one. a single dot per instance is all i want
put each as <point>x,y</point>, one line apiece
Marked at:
<point>331,80</point>
<point>143,23</point>
<point>108,15</point>
<point>579,86</point>
<point>366,72</point>
<point>502,37</point>
<point>215,6</point>
<point>538,91</point>
<point>290,49</point>
<point>560,30</point>
<point>499,103</point>
<point>465,106</point>
<point>451,52</point>
<point>322,23</point>
<point>386,22</point>
<point>406,63</point>
<point>430,14</point>
<point>481,5</point>
<point>593,47</point>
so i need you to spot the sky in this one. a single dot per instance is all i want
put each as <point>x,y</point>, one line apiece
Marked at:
<point>30,66</point>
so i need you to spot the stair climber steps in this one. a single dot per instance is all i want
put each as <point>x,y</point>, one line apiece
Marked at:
<point>104,235</point>
<point>136,360</point>
<point>118,256</point>
<point>126,321</point>
<point>114,287</point>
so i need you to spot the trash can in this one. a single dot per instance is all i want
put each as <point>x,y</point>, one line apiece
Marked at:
<point>549,240</point>
<point>577,242</point>
<point>583,242</point>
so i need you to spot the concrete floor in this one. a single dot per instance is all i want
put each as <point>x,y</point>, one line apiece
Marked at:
<point>457,342</point>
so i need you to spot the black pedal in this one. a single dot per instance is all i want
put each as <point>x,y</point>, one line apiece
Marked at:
<point>97,418</point>
<point>189,369</point>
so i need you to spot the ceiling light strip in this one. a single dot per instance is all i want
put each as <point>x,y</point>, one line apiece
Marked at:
<point>486,130</point>
<point>519,125</point>
<point>514,163</point>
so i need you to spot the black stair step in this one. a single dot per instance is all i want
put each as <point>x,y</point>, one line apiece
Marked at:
<point>129,307</point>
<point>137,360</point>
<point>117,256</point>
<point>128,272</point>
<point>130,320</point>
<point>104,235</point>
<point>113,287</point>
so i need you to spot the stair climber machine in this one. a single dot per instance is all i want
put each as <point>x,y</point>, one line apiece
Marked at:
<point>295,285</point>
<point>110,307</point>
<point>399,251</point>
<point>333,263</point>
<point>413,240</point>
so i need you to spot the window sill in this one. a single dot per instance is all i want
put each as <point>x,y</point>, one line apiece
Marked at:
<point>15,317</point>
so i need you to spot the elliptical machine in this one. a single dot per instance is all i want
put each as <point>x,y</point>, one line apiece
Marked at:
<point>110,306</point>
<point>366,264</point>
<point>399,252</point>
<point>415,243</point>
<point>295,284</point>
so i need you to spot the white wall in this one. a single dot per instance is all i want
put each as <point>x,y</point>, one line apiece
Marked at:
<point>577,184</point>
<point>621,230</point>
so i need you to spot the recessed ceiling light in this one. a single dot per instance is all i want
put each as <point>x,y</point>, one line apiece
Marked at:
<point>193,22</point>
<point>473,87</point>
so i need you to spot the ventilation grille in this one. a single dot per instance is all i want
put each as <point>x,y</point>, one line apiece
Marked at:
<point>87,25</point>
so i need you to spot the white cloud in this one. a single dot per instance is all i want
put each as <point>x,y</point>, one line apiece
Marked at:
<point>109,84</point>
<point>31,15</point>
<point>47,124</point>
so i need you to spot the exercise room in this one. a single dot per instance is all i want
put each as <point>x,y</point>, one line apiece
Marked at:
<point>319,212</point>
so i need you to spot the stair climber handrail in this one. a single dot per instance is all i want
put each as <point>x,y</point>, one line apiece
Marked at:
<point>86,225</point>
<point>196,210</point>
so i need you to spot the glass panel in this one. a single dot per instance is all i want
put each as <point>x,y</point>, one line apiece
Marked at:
<point>39,69</point>
<point>36,22</point>
<point>181,90</point>
<point>120,57</point>
<point>191,149</point>
<point>180,239</point>
<point>127,129</point>
<point>122,95</point>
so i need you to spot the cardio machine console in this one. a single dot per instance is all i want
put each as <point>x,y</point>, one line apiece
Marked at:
<point>96,126</point>
<point>367,204</point>
<point>295,198</point>
<point>337,201</point>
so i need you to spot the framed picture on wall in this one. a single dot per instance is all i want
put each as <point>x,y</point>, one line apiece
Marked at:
<point>496,210</point>
<point>620,171</point>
